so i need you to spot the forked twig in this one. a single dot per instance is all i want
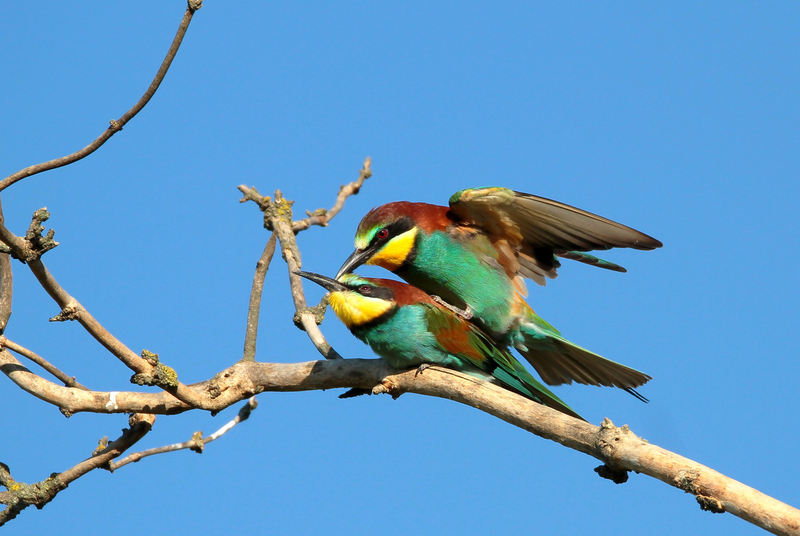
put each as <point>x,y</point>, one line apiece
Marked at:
<point>68,381</point>
<point>196,443</point>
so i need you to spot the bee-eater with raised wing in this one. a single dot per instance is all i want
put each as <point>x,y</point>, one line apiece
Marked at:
<point>407,328</point>
<point>475,254</point>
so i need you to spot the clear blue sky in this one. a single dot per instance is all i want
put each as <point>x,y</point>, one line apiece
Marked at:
<point>679,120</point>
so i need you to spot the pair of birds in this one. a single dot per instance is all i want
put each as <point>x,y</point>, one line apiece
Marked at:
<point>464,306</point>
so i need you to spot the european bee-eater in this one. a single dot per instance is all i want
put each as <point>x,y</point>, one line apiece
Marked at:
<point>407,328</point>
<point>475,254</point>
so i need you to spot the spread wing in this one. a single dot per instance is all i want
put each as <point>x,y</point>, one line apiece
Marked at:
<point>540,229</point>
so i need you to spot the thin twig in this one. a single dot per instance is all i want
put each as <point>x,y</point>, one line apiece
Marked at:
<point>321,217</point>
<point>196,443</point>
<point>6,284</point>
<point>71,309</point>
<point>116,125</point>
<point>68,381</point>
<point>253,310</point>
<point>20,495</point>
<point>291,254</point>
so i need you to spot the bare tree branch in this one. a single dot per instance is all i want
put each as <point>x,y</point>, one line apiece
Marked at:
<point>618,448</point>
<point>116,125</point>
<point>20,495</point>
<point>255,299</point>
<point>6,284</point>
<point>278,218</point>
<point>196,443</point>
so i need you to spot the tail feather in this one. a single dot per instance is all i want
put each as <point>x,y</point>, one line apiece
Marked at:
<point>526,385</point>
<point>637,395</point>
<point>589,259</point>
<point>559,361</point>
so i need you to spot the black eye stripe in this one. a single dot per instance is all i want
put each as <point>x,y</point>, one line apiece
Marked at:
<point>394,229</point>
<point>383,293</point>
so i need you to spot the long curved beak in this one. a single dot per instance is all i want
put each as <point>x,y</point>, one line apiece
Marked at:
<point>356,259</point>
<point>325,282</point>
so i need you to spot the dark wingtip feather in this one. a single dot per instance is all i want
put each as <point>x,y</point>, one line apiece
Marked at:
<point>590,260</point>
<point>636,394</point>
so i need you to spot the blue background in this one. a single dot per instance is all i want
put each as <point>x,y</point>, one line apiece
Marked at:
<point>679,120</point>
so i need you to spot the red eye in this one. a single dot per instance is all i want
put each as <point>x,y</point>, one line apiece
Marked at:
<point>365,289</point>
<point>383,233</point>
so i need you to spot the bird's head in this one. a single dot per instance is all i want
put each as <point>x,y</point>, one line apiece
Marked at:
<point>387,236</point>
<point>356,300</point>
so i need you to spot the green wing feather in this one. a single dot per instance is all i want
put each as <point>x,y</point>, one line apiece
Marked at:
<point>466,342</point>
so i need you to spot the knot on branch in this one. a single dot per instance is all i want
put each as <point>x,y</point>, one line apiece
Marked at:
<point>686,480</point>
<point>388,387</point>
<point>70,312</point>
<point>197,442</point>
<point>617,476</point>
<point>213,389</point>
<point>36,243</point>
<point>23,495</point>
<point>280,210</point>
<point>710,504</point>
<point>101,446</point>
<point>194,5</point>
<point>162,375</point>
<point>318,312</point>
<point>608,440</point>
<point>610,436</point>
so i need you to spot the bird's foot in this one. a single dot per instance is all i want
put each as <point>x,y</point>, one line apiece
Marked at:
<point>466,314</point>
<point>421,368</point>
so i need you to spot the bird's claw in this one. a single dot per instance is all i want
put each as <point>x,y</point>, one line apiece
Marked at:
<point>421,368</point>
<point>466,314</point>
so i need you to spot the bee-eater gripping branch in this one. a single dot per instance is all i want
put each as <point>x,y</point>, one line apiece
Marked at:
<point>475,255</point>
<point>407,328</point>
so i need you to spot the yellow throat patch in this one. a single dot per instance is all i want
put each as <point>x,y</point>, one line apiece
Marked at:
<point>394,253</point>
<point>356,310</point>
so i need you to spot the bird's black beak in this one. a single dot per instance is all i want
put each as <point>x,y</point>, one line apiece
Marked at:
<point>356,259</point>
<point>325,282</point>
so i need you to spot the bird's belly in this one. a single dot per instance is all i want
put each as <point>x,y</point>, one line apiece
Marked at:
<point>405,342</point>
